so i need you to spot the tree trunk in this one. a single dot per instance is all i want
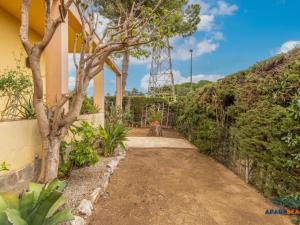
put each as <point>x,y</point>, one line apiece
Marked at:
<point>125,65</point>
<point>50,159</point>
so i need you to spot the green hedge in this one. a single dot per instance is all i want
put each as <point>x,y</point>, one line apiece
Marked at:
<point>134,107</point>
<point>251,119</point>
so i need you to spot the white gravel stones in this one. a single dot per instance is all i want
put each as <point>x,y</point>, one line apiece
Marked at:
<point>85,207</point>
<point>96,193</point>
<point>78,221</point>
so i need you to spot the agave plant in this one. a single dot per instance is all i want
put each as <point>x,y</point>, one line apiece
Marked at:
<point>112,137</point>
<point>40,205</point>
<point>26,109</point>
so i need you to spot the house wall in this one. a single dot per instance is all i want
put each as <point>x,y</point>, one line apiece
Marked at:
<point>10,44</point>
<point>21,150</point>
<point>11,47</point>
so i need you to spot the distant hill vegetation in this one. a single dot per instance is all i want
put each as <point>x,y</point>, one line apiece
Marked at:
<point>250,121</point>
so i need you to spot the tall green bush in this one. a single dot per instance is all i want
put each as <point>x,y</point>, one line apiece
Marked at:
<point>251,119</point>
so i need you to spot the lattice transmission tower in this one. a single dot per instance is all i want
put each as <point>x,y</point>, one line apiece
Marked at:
<point>161,80</point>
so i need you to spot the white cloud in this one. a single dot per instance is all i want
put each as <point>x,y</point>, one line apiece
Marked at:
<point>207,23</point>
<point>205,6</point>
<point>179,78</point>
<point>102,25</point>
<point>288,46</point>
<point>145,82</point>
<point>141,61</point>
<point>210,10</point>
<point>181,52</point>
<point>218,36</point>
<point>224,9</point>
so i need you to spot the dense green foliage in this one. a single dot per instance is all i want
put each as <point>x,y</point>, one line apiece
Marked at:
<point>134,92</point>
<point>88,106</point>
<point>154,115</point>
<point>184,88</point>
<point>82,152</point>
<point>289,202</point>
<point>41,205</point>
<point>251,120</point>
<point>179,17</point>
<point>134,108</point>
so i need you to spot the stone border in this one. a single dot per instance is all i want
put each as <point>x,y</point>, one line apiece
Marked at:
<point>84,210</point>
<point>17,181</point>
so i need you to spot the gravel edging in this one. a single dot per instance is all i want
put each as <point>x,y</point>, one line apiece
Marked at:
<point>86,185</point>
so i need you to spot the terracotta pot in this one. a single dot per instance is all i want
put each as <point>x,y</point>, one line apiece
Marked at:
<point>155,123</point>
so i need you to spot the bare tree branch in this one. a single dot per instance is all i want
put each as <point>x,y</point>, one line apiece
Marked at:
<point>25,25</point>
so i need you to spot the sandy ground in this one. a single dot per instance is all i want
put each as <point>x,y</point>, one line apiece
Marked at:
<point>143,132</point>
<point>179,187</point>
<point>158,142</point>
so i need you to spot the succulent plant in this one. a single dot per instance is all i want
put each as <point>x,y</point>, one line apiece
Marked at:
<point>40,205</point>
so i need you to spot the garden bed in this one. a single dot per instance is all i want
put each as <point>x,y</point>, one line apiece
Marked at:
<point>85,185</point>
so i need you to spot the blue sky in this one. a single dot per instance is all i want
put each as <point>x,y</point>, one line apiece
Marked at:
<point>232,35</point>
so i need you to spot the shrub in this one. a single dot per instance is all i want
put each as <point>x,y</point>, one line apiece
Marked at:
<point>253,117</point>
<point>290,202</point>
<point>16,90</point>
<point>134,109</point>
<point>41,205</point>
<point>114,115</point>
<point>26,109</point>
<point>88,106</point>
<point>258,136</point>
<point>154,115</point>
<point>112,136</point>
<point>83,155</point>
<point>82,152</point>
<point>4,166</point>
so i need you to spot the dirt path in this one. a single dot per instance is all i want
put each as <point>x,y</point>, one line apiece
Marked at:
<point>156,186</point>
<point>143,132</point>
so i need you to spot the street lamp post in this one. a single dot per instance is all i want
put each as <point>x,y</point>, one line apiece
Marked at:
<point>191,72</point>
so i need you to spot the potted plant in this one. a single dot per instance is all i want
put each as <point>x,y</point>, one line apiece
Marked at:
<point>155,117</point>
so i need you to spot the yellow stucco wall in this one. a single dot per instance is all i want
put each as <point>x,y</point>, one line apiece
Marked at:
<point>10,44</point>
<point>21,141</point>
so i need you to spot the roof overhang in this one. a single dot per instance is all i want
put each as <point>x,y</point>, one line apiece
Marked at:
<point>36,23</point>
